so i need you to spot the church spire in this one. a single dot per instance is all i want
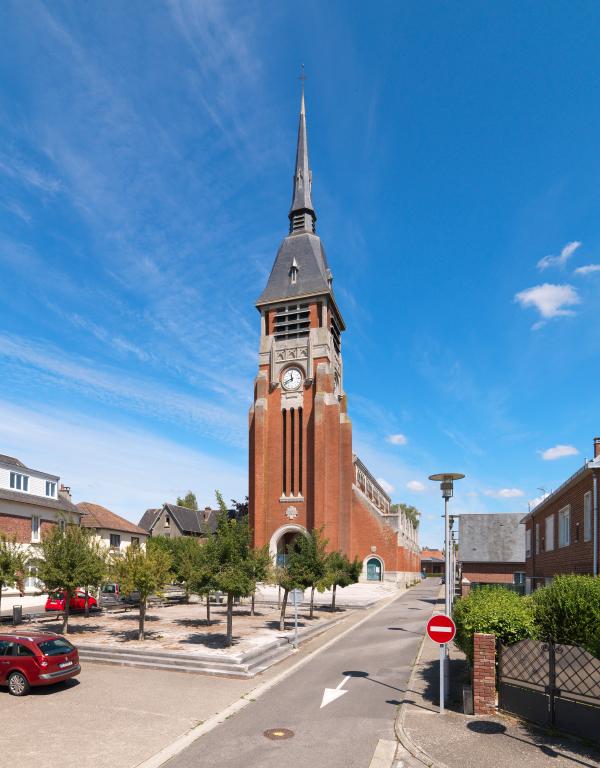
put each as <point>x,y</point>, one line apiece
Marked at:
<point>302,214</point>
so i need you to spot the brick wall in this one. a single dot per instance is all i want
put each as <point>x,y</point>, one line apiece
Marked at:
<point>14,525</point>
<point>484,674</point>
<point>491,573</point>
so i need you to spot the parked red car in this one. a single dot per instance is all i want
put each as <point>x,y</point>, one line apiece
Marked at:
<point>37,658</point>
<point>57,601</point>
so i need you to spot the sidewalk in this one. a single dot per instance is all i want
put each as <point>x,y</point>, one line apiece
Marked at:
<point>454,740</point>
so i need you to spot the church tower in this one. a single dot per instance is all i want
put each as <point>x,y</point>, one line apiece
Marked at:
<point>303,473</point>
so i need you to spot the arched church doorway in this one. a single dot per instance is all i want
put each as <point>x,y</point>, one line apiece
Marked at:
<point>374,569</point>
<point>282,542</point>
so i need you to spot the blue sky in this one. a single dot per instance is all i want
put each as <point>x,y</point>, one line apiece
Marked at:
<point>146,153</point>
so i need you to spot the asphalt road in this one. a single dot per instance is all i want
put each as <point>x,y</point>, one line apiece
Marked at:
<point>377,658</point>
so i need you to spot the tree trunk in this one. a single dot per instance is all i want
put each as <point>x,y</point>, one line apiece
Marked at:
<point>333,598</point>
<point>0,602</point>
<point>312,601</point>
<point>283,607</point>
<point>278,598</point>
<point>208,609</point>
<point>141,635</point>
<point>229,618</point>
<point>65,626</point>
<point>252,603</point>
<point>87,604</point>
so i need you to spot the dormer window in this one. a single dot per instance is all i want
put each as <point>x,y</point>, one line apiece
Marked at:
<point>19,482</point>
<point>50,489</point>
<point>293,272</point>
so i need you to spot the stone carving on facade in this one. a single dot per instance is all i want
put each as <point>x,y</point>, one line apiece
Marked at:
<point>291,513</point>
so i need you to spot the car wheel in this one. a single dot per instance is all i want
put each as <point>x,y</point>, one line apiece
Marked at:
<point>18,684</point>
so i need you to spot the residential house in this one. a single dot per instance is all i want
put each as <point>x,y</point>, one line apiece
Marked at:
<point>31,502</point>
<point>432,562</point>
<point>562,531</point>
<point>111,529</point>
<point>172,520</point>
<point>491,550</point>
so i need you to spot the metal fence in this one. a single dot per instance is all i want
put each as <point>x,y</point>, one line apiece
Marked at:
<point>551,684</point>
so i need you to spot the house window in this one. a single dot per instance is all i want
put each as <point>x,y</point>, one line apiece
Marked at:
<point>587,516</point>
<point>549,541</point>
<point>519,577</point>
<point>167,521</point>
<point>50,488</point>
<point>19,482</point>
<point>115,540</point>
<point>528,542</point>
<point>564,527</point>
<point>537,538</point>
<point>31,582</point>
<point>62,524</point>
<point>135,542</point>
<point>35,528</point>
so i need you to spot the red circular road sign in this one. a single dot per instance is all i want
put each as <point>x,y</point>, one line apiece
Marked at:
<point>441,628</point>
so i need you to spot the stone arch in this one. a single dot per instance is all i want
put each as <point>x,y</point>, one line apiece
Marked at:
<point>373,558</point>
<point>280,534</point>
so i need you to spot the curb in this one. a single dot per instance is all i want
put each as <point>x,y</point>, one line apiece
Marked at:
<point>184,741</point>
<point>403,738</point>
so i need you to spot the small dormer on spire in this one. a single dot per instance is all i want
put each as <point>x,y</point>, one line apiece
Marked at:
<point>294,272</point>
<point>302,214</point>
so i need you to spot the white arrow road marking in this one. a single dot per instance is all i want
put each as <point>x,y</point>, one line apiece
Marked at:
<point>331,694</point>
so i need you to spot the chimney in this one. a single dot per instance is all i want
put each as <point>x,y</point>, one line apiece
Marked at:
<point>596,447</point>
<point>207,511</point>
<point>66,491</point>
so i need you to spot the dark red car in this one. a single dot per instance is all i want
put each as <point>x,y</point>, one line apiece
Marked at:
<point>57,601</point>
<point>36,658</point>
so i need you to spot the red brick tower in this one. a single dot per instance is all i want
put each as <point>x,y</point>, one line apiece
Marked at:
<point>303,474</point>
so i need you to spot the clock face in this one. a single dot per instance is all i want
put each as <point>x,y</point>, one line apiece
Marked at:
<point>291,379</point>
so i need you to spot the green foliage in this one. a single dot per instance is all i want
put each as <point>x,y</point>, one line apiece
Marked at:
<point>340,572</point>
<point>145,572</point>
<point>568,611</point>
<point>412,513</point>
<point>13,564</point>
<point>492,609</point>
<point>189,501</point>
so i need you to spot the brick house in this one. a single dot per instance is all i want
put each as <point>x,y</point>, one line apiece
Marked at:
<point>562,532</point>
<point>491,550</point>
<point>112,530</point>
<point>31,501</point>
<point>433,562</point>
<point>303,471</point>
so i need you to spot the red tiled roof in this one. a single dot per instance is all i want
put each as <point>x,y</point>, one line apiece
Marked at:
<point>95,516</point>
<point>432,554</point>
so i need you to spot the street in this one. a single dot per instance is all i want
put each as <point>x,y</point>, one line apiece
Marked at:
<point>372,663</point>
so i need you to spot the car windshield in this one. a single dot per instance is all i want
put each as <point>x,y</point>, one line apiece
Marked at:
<point>57,596</point>
<point>55,647</point>
<point>109,588</point>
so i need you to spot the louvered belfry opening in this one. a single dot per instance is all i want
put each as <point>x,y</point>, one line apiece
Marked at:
<point>292,446</point>
<point>291,322</point>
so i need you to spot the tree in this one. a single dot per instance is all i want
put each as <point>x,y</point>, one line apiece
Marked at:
<point>234,560</point>
<point>95,568</point>
<point>203,569</point>
<point>145,572</point>
<point>412,513</point>
<point>64,562</point>
<point>261,569</point>
<point>13,564</point>
<point>311,556</point>
<point>241,508</point>
<point>341,572</point>
<point>189,501</point>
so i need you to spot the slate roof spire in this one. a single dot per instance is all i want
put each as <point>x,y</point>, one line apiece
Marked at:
<point>302,213</point>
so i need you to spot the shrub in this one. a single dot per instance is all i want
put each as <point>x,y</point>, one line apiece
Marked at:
<point>568,611</point>
<point>492,609</point>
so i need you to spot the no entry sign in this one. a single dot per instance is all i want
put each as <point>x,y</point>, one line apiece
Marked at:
<point>441,628</point>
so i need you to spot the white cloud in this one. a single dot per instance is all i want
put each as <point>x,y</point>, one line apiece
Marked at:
<point>398,439</point>
<point>124,469</point>
<point>550,300</point>
<point>587,269</point>
<point>561,259</point>
<point>559,452</point>
<point>505,493</point>
<point>415,485</point>
<point>538,499</point>
<point>387,487</point>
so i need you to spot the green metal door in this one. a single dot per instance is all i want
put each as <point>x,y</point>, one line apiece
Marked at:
<point>373,570</point>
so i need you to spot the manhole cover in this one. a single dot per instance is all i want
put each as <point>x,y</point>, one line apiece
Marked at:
<point>278,733</point>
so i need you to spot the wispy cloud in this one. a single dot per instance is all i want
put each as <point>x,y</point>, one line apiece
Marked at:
<point>588,269</point>
<point>28,175</point>
<point>387,487</point>
<point>397,439</point>
<point>416,486</point>
<point>505,493</point>
<point>559,452</point>
<point>561,259</point>
<point>549,300</point>
<point>538,499</point>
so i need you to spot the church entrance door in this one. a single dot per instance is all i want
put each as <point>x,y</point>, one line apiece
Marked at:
<point>373,569</point>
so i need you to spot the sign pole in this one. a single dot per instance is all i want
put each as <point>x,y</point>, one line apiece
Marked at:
<point>296,621</point>
<point>442,692</point>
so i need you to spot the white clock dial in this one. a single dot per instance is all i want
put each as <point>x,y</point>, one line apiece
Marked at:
<point>291,379</point>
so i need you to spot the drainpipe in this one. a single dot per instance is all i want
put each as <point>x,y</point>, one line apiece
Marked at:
<point>595,569</point>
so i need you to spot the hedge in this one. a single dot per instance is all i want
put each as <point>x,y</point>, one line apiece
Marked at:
<point>492,609</point>
<point>568,611</point>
